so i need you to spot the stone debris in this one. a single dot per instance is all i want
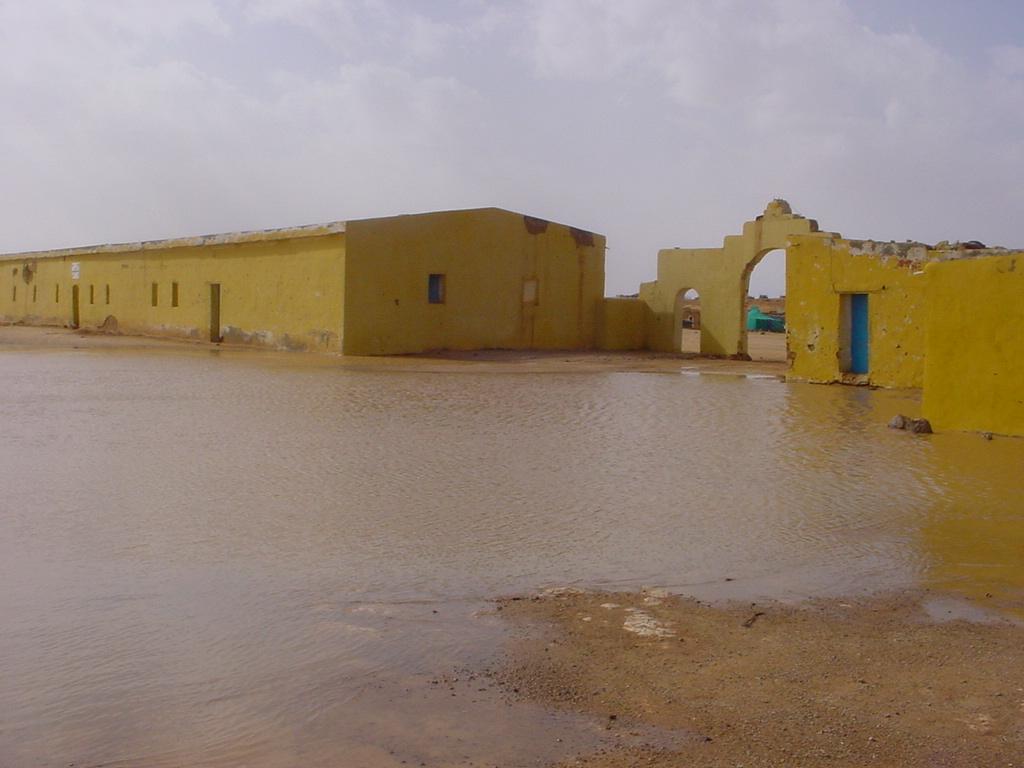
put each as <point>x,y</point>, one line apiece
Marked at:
<point>642,623</point>
<point>917,426</point>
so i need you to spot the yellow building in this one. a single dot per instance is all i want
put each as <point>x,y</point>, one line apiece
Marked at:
<point>855,311</point>
<point>483,278</point>
<point>974,368</point>
<point>948,318</point>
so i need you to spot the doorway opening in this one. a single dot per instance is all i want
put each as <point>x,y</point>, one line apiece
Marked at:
<point>854,342</point>
<point>687,321</point>
<point>763,321</point>
<point>75,317</point>
<point>215,335</point>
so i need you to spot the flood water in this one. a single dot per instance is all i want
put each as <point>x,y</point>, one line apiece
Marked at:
<point>213,560</point>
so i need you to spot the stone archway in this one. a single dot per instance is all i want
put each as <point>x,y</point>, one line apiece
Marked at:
<point>720,275</point>
<point>763,343</point>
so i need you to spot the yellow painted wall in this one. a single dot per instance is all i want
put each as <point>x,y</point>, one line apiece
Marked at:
<point>819,271</point>
<point>974,373</point>
<point>280,292</point>
<point>485,256</point>
<point>623,324</point>
<point>721,277</point>
<point>27,292</point>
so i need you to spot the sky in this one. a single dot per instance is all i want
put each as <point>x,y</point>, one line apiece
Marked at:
<point>657,123</point>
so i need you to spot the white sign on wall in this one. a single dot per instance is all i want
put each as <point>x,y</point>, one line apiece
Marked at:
<point>76,269</point>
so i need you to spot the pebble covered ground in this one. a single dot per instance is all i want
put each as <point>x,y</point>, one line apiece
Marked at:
<point>871,682</point>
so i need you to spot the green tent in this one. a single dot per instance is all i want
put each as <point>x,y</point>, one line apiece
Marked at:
<point>759,321</point>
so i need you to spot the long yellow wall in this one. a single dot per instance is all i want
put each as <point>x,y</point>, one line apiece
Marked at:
<point>485,255</point>
<point>279,292</point>
<point>819,271</point>
<point>974,373</point>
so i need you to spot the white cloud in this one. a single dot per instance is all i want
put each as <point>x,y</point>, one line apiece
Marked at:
<point>658,122</point>
<point>107,144</point>
<point>879,134</point>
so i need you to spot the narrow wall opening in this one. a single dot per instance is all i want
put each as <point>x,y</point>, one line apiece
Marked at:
<point>436,293</point>
<point>215,334</point>
<point>764,307</point>
<point>687,321</point>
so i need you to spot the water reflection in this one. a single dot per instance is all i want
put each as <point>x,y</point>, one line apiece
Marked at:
<point>221,561</point>
<point>974,530</point>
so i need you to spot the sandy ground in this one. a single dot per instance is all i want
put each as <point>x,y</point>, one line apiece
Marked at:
<point>767,346</point>
<point>761,346</point>
<point>26,338</point>
<point>878,682</point>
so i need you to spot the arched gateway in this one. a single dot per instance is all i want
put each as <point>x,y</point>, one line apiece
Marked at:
<point>721,277</point>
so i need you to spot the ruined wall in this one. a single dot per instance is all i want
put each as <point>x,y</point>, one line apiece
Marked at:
<point>716,277</point>
<point>720,276</point>
<point>280,289</point>
<point>487,257</point>
<point>623,324</point>
<point>974,371</point>
<point>819,271</point>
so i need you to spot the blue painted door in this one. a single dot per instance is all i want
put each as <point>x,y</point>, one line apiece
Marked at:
<point>859,333</point>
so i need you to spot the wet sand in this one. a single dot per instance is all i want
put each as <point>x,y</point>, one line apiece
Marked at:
<point>30,338</point>
<point>762,347</point>
<point>898,680</point>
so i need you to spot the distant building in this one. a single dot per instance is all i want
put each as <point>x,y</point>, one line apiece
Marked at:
<point>484,278</point>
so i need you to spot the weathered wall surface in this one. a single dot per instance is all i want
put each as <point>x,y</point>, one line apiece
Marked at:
<point>721,277</point>
<point>819,271</point>
<point>974,370</point>
<point>486,257</point>
<point>622,324</point>
<point>282,289</point>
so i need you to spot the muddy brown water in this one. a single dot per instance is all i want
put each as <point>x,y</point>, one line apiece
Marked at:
<point>217,560</point>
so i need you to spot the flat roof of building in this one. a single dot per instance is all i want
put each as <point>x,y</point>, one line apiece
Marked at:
<point>251,236</point>
<point>228,238</point>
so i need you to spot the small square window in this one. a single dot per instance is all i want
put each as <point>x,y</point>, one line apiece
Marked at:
<point>530,291</point>
<point>435,289</point>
